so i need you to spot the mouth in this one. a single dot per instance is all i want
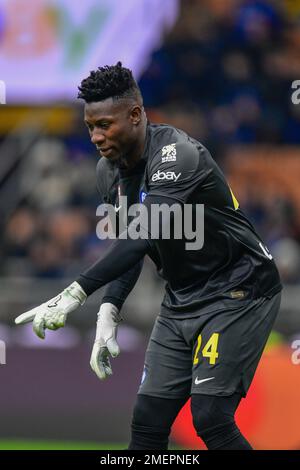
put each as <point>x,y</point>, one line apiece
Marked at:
<point>104,151</point>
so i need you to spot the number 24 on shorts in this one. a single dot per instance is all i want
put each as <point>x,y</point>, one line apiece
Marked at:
<point>210,350</point>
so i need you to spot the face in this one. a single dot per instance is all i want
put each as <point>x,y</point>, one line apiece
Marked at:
<point>113,126</point>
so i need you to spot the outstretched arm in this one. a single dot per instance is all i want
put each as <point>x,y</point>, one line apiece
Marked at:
<point>121,256</point>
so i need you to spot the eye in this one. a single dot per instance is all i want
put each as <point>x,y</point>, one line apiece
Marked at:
<point>104,125</point>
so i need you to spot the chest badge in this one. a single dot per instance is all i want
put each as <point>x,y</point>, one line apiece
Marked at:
<point>143,196</point>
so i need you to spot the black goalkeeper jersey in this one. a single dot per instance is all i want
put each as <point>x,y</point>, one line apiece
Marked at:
<point>233,262</point>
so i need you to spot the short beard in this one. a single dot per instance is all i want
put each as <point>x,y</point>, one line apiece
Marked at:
<point>121,162</point>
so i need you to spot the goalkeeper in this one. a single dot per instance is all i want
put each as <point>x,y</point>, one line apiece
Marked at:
<point>221,301</point>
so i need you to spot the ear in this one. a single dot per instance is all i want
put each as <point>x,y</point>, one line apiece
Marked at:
<point>136,114</point>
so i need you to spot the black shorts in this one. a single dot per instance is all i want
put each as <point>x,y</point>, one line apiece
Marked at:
<point>213,354</point>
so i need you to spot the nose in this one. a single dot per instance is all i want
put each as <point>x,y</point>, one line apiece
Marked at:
<point>97,138</point>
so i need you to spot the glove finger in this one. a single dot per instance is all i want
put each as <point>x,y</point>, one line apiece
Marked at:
<point>39,326</point>
<point>93,360</point>
<point>99,371</point>
<point>25,317</point>
<point>52,326</point>
<point>107,366</point>
<point>113,347</point>
<point>55,322</point>
<point>101,365</point>
<point>61,321</point>
<point>108,371</point>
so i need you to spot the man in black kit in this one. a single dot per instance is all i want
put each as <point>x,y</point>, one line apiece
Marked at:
<point>221,300</point>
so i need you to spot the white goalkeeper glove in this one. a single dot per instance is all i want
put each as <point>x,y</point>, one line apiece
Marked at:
<point>53,314</point>
<point>105,341</point>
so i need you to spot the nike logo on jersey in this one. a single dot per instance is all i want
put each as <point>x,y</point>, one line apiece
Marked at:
<point>117,208</point>
<point>197,381</point>
<point>165,175</point>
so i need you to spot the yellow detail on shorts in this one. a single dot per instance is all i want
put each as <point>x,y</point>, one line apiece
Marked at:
<point>196,359</point>
<point>234,200</point>
<point>209,350</point>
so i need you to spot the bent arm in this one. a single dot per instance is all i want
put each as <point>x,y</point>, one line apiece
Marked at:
<point>123,255</point>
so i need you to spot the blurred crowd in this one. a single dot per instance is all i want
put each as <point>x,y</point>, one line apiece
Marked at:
<point>53,231</point>
<point>224,75</point>
<point>226,71</point>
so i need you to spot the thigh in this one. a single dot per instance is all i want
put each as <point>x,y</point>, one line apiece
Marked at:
<point>227,346</point>
<point>168,362</point>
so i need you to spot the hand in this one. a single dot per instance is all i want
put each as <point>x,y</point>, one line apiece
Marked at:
<point>105,341</point>
<point>53,314</point>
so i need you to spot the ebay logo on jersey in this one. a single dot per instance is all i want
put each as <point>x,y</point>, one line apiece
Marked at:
<point>165,175</point>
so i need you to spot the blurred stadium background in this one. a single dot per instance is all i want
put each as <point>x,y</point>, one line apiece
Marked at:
<point>220,69</point>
